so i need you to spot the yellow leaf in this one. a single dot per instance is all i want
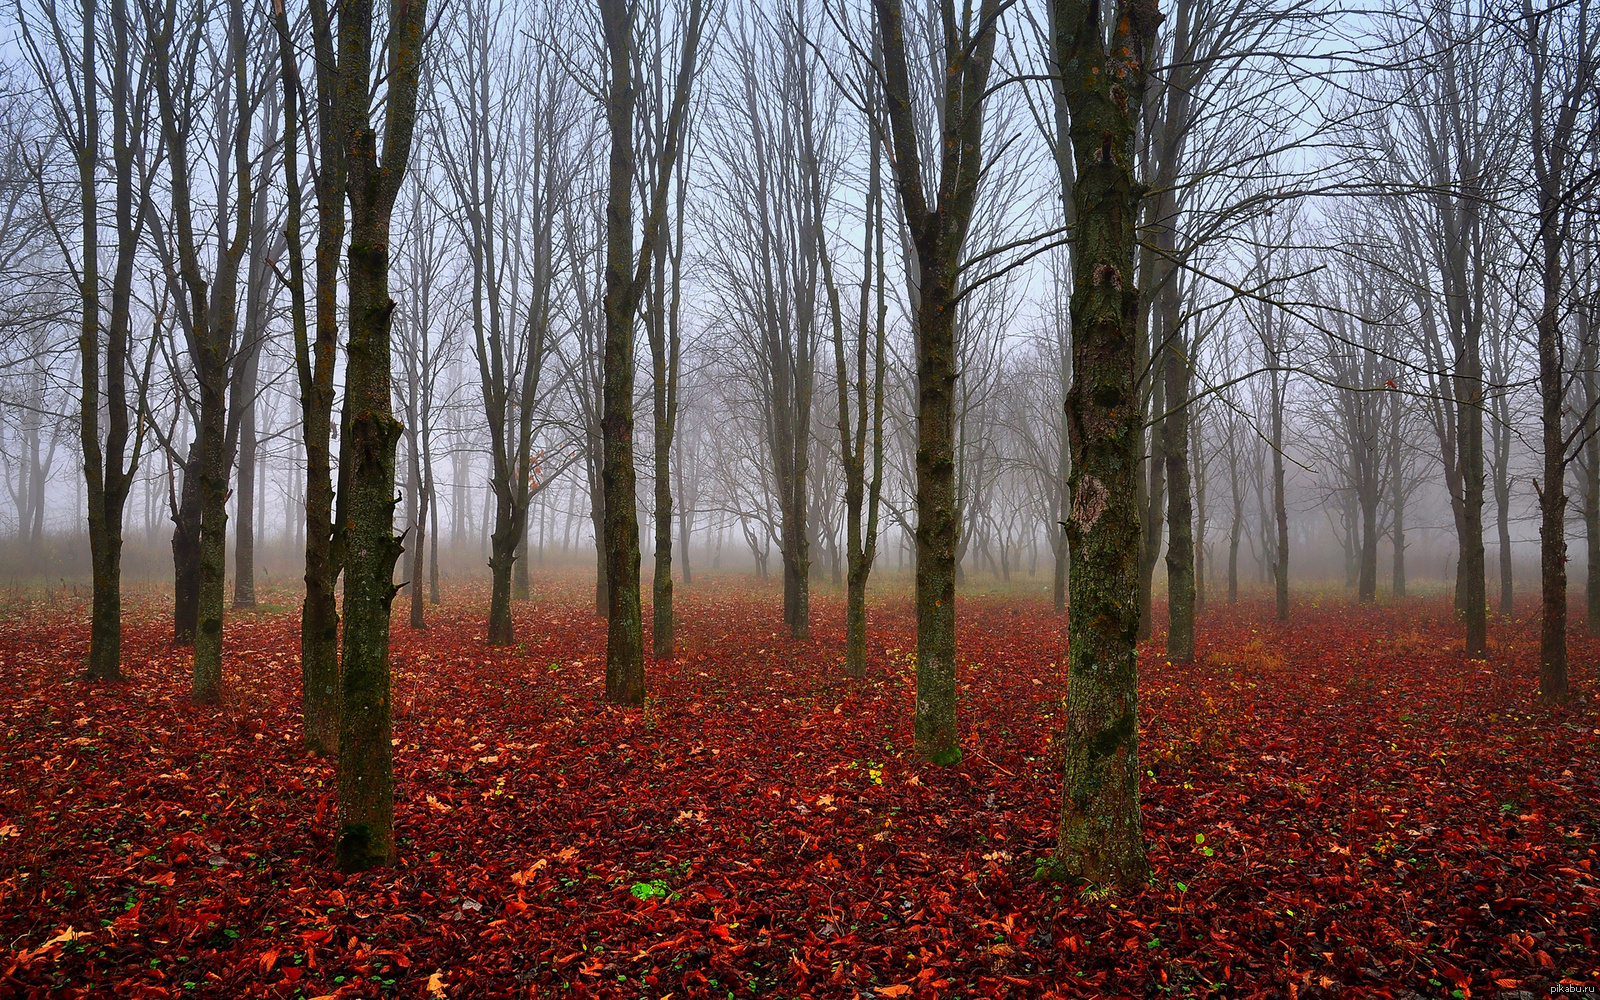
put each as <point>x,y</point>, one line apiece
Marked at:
<point>436,985</point>
<point>66,937</point>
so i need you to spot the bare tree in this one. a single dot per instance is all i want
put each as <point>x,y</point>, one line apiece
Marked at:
<point>936,221</point>
<point>110,458</point>
<point>1563,50</point>
<point>370,431</point>
<point>626,274</point>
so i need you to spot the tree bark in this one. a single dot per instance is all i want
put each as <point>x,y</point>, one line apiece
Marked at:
<point>1280,509</point>
<point>625,277</point>
<point>1100,839</point>
<point>186,552</point>
<point>314,367</point>
<point>938,231</point>
<point>366,766</point>
<point>1180,508</point>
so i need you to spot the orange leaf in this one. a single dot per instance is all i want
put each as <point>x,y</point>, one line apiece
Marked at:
<point>269,958</point>
<point>892,991</point>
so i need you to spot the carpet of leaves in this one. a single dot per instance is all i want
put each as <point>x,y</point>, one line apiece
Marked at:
<point>1341,806</point>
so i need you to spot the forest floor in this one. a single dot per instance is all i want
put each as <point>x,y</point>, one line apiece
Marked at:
<point>1340,806</point>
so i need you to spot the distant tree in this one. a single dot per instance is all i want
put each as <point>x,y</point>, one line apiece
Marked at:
<point>69,69</point>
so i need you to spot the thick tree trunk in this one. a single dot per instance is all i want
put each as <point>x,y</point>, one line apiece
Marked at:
<point>937,522</point>
<point>1180,512</point>
<point>1100,839</point>
<point>1367,582</point>
<point>366,770</point>
<point>503,544</point>
<point>367,466</point>
<point>211,373</point>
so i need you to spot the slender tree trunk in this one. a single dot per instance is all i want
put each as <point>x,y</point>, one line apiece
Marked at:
<point>1552,491</point>
<point>186,553</point>
<point>1280,509</point>
<point>1153,496</point>
<point>1367,584</point>
<point>105,479</point>
<point>1398,501</point>
<point>1591,532</point>
<point>1472,565</point>
<point>1503,532</point>
<point>417,540</point>
<point>433,538</point>
<point>1180,511</point>
<point>624,635</point>
<point>314,367</point>
<point>939,229</point>
<point>244,555</point>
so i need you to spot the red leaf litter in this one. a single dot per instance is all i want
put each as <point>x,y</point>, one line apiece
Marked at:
<point>1343,806</point>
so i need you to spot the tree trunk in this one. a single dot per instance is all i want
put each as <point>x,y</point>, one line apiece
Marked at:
<point>186,553</point>
<point>1280,509</point>
<point>1153,496</point>
<point>417,540</point>
<point>366,767</point>
<point>244,554</point>
<point>1367,582</point>
<point>1591,533</point>
<point>503,542</point>
<point>314,367</point>
<point>1471,568</point>
<point>1180,512</point>
<point>1552,491</point>
<point>938,231</point>
<point>366,763</point>
<point>106,481</point>
<point>211,373</point>
<point>1100,839</point>
<point>624,635</point>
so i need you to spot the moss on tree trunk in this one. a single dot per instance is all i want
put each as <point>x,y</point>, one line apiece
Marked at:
<point>1100,840</point>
